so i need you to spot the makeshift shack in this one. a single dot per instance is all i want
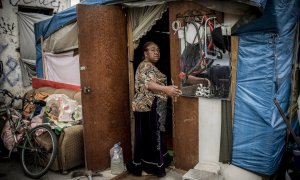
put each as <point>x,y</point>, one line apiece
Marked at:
<point>107,39</point>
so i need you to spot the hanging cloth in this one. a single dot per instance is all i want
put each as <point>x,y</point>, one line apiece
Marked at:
<point>26,23</point>
<point>63,67</point>
<point>143,18</point>
<point>63,40</point>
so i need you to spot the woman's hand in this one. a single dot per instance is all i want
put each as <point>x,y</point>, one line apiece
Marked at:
<point>172,90</point>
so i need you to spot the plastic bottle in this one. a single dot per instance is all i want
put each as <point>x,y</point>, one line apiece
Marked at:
<point>117,162</point>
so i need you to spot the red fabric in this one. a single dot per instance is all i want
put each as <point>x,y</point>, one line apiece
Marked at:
<point>211,27</point>
<point>37,83</point>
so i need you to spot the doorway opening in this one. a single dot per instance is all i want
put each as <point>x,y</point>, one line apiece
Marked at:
<point>39,10</point>
<point>160,35</point>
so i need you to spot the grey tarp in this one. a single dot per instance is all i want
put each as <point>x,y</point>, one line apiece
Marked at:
<point>63,40</point>
<point>27,44</point>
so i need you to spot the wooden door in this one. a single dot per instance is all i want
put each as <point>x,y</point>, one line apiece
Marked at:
<point>104,82</point>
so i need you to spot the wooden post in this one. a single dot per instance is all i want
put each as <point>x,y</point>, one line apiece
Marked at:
<point>234,60</point>
<point>294,86</point>
<point>131,78</point>
<point>43,59</point>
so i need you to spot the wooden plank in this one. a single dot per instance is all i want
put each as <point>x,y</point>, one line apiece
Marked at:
<point>234,60</point>
<point>130,45</point>
<point>43,58</point>
<point>295,79</point>
<point>185,110</point>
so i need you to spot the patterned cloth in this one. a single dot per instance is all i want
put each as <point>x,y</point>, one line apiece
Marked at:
<point>143,99</point>
<point>30,107</point>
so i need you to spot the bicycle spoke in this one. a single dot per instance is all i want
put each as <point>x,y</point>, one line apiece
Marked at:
<point>39,151</point>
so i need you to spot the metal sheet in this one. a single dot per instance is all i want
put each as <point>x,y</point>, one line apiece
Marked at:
<point>103,53</point>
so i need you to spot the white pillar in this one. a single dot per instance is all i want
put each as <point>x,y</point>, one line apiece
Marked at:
<point>209,141</point>
<point>209,129</point>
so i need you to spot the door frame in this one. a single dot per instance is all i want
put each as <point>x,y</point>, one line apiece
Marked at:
<point>185,120</point>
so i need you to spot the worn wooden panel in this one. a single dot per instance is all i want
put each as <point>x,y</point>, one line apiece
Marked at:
<point>185,118</point>
<point>131,78</point>
<point>103,51</point>
<point>295,79</point>
<point>234,60</point>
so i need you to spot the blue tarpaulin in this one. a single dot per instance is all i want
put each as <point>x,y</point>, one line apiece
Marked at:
<point>265,57</point>
<point>278,16</point>
<point>259,3</point>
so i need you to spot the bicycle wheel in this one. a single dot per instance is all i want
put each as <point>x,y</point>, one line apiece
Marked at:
<point>38,151</point>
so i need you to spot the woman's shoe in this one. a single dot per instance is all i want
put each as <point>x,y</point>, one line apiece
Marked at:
<point>134,169</point>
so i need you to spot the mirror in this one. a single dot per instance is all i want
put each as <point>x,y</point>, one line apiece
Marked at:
<point>205,57</point>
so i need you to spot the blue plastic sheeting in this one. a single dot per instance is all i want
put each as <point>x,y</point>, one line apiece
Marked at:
<point>278,16</point>
<point>263,73</point>
<point>259,3</point>
<point>47,27</point>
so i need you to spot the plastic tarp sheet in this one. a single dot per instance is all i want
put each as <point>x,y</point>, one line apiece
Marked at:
<point>47,27</point>
<point>264,73</point>
<point>259,3</point>
<point>278,16</point>
<point>65,39</point>
<point>63,67</point>
<point>27,44</point>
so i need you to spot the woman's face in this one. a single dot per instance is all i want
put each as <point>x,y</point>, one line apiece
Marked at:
<point>152,54</point>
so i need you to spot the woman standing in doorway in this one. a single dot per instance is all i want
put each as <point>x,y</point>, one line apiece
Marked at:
<point>150,109</point>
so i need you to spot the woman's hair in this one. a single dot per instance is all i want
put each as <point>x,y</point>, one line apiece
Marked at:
<point>145,47</point>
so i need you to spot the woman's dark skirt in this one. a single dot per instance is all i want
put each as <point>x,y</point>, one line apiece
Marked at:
<point>150,153</point>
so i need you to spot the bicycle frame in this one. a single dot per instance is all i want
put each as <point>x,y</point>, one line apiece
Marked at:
<point>36,159</point>
<point>19,127</point>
